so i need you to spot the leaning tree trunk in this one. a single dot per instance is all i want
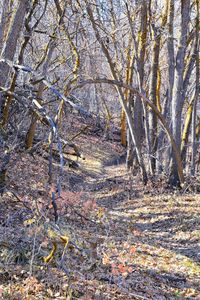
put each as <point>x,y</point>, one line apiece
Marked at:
<point>29,30</point>
<point>8,53</point>
<point>121,95</point>
<point>9,48</point>
<point>32,128</point>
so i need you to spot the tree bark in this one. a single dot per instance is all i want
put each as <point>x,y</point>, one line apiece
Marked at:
<point>178,90</point>
<point>121,98</point>
<point>135,105</point>
<point>9,49</point>
<point>6,17</point>
<point>143,97</point>
<point>8,53</point>
<point>154,89</point>
<point>197,89</point>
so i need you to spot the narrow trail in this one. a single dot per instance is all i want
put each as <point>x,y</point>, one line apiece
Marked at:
<point>160,230</point>
<point>104,174</point>
<point>143,243</point>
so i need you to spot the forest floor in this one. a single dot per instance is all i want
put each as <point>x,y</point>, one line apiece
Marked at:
<point>114,239</point>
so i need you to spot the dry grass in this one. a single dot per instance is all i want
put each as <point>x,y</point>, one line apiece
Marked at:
<point>123,242</point>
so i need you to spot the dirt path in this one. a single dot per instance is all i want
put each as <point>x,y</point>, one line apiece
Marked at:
<point>127,242</point>
<point>152,241</point>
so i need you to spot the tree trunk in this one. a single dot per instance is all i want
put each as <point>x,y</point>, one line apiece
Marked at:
<point>186,131</point>
<point>27,38</point>
<point>9,48</point>
<point>137,106</point>
<point>153,97</point>
<point>31,131</point>
<point>197,89</point>
<point>8,53</point>
<point>155,81</point>
<point>178,99</point>
<point>6,17</point>
<point>121,96</point>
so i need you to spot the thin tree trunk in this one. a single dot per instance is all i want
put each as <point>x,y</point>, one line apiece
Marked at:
<point>170,83</point>
<point>186,130</point>
<point>6,17</point>
<point>170,50</point>
<point>31,131</point>
<point>153,97</point>
<point>8,53</point>
<point>154,90</point>
<point>27,38</point>
<point>137,107</point>
<point>197,89</point>
<point>121,98</point>
<point>178,95</point>
<point>152,106</point>
<point>9,49</point>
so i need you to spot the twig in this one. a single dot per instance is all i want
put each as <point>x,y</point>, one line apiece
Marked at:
<point>54,204</point>
<point>82,216</point>
<point>80,132</point>
<point>19,199</point>
<point>33,253</point>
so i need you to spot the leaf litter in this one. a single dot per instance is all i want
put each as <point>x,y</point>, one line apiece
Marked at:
<point>113,240</point>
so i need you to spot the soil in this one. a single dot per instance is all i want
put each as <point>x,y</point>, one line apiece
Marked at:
<point>115,238</point>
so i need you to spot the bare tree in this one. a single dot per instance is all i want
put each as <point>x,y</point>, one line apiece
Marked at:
<point>178,89</point>
<point>8,53</point>
<point>10,44</point>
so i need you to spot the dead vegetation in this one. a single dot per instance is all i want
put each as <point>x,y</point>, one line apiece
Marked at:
<point>112,240</point>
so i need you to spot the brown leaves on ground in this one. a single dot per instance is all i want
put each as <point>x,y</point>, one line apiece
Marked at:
<point>122,242</point>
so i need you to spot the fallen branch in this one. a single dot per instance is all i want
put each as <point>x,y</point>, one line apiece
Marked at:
<point>80,132</point>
